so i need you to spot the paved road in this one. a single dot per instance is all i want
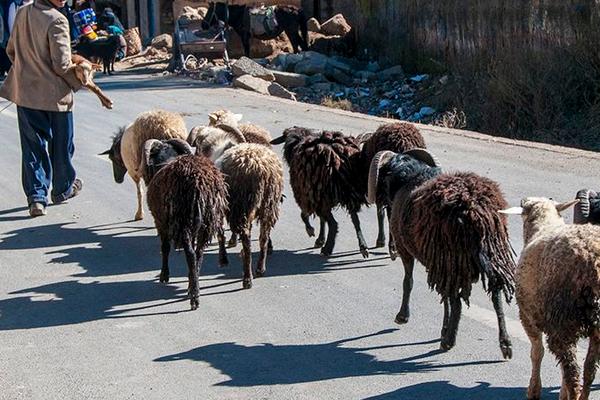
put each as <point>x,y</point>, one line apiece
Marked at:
<point>82,315</point>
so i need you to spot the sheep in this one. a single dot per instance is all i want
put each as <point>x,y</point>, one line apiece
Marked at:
<point>252,133</point>
<point>126,150</point>
<point>450,223</point>
<point>558,292</point>
<point>187,198</point>
<point>397,137</point>
<point>255,176</point>
<point>84,71</point>
<point>588,208</point>
<point>323,166</point>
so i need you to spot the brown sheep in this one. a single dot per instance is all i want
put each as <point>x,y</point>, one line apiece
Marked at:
<point>397,137</point>
<point>187,198</point>
<point>323,169</point>
<point>450,223</point>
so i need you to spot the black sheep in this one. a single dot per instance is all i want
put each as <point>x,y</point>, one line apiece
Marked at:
<point>323,171</point>
<point>450,223</point>
<point>187,198</point>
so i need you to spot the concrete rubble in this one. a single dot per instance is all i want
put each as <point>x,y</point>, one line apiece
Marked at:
<point>326,78</point>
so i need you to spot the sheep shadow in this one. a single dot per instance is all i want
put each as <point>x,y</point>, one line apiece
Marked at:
<point>444,390</point>
<point>274,364</point>
<point>117,249</point>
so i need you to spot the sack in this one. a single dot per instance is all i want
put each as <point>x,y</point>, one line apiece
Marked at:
<point>262,20</point>
<point>133,40</point>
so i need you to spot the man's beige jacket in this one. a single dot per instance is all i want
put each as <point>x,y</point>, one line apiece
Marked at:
<point>39,47</point>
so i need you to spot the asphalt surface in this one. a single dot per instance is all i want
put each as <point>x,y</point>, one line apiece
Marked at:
<point>82,315</point>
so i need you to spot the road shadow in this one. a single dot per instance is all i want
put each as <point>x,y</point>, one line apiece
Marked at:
<point>270,364</point>
<point>444,390</point>
<point>115,249</point>
<point>122,82</point>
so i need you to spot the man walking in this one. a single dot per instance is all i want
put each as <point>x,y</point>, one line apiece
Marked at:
<point>41,83</point>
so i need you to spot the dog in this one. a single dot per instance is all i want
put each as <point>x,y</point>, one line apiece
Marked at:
<point>104,49</point>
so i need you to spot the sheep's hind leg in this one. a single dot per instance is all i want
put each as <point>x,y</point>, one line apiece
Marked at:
<point>190,256</point>
<point>362,245</point>
<point>391,242</point>
<point>322,231</point>
<point>140,199</point>
<point>591,364</point>
<point>269,247</point>
<point>407,285</point>
<point>165,248</point>
<point>261,265</point>
<point>534,390</point>
<point>564,350</point>
<point>449,340</point>
<point>223,261</point>
<point>446,304</point>
<point>333,230</point>
<point>503,337</point>
<point>232,240</point>
<point>310,231</point>
<point>381,230</point>
<point>246,258</point>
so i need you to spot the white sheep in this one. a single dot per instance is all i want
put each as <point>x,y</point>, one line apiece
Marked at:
<point>558,292</point>
<point>126,151</point>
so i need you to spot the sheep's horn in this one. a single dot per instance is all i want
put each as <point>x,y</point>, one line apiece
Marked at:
<point>193,135</point>
<point>234,131</point>
<point>181,146</point>
<point>563,206</point>
<point>380,159</point>
<point>278,140</point>
<point>105,153</point>
<point>425,156</point>
<point>148,145</point>
<point>581,213</point>
<point>512,211</point>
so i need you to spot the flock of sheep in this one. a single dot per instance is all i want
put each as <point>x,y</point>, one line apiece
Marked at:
<point>454,224</point>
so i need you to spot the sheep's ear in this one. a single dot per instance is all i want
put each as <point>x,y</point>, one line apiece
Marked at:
<point>278,140</point>
<point>563,206</point>
<point>512,211</point>
<point>105,153</point>
<point>238,117</point>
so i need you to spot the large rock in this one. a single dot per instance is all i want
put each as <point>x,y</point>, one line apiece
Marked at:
<point>286,61</point>
<point>312,63</point>
<point>313,25</point>
<point>330,45</point>
<point>164,41</point>
<point>290,79</point>
<point>335,26</point>
<point>395,72</point>
<point>275,89</point>
<point>340,76</point>
<point>258,85</point>
<point>245,66</point>
<point>258,48</point>
<point>252,83</point>
<point>192,13</point>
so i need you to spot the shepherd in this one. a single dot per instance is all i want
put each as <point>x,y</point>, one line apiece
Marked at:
<point>41,83</point>
<point>262,23</point>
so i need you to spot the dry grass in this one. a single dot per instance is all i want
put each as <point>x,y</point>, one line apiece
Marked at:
<point>340,104</point>
<point>455,119</point>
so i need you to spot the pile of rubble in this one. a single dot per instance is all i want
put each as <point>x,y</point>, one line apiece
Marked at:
<point>157,53</point>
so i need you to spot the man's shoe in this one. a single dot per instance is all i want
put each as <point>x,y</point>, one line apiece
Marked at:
<point>75,189</point>
<point>37,209</point>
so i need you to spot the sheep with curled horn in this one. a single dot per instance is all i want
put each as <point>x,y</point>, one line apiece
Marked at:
<point>587,210</point>
<point>323,170</point>
<point>254,175</point>
<point>397,137</point>
<point>558,292</point>
<point>450,223</point>
<point>126,150</point>
<point>187,197</point>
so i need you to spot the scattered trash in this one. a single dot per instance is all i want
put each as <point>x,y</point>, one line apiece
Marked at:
<point>419,78</point>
